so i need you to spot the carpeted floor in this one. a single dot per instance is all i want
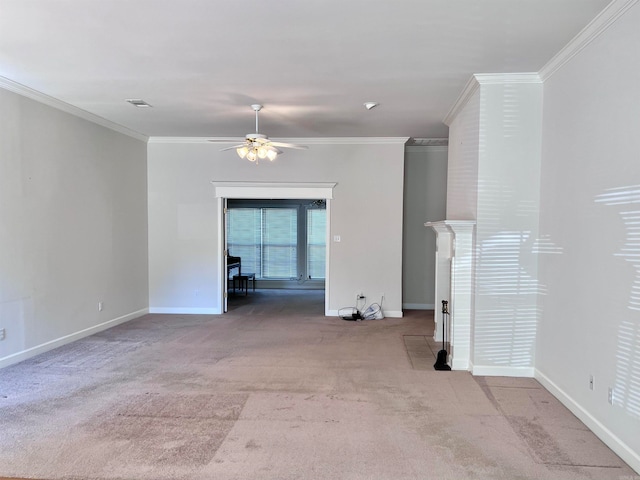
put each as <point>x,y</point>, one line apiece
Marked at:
<point>275,390</point>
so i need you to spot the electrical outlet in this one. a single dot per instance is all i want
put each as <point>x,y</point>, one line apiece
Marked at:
<point>3,333</point>
<point>610,396</point>
<point>591,382</point>
<point>100,306</point>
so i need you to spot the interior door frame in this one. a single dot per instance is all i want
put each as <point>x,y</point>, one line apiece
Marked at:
<point>225,280</point>
<point>271,190</point>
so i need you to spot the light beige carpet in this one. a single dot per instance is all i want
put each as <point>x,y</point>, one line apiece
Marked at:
<point>275,390</point>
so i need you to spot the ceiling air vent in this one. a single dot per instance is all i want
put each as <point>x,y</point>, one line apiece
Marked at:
<point>138,102</point>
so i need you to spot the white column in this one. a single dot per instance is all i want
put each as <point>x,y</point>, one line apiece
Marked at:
<point>444,242</point>
<point>462,298</point>
<point>454,282</point>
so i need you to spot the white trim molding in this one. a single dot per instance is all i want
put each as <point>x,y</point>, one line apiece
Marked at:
<point>45,347</point>
<point>68,108</point>
<point>185,310</point>
<point>507,78</point>
<point>479,79</point>
<point>273,190</point>
<point>304,141</point>
<point>387,313</point>
<point>588,34</point>
<point>502,371</point>
<point>428,142</point>
<point>279,190</point>
<point>467,92</point>
<point>602,432</point>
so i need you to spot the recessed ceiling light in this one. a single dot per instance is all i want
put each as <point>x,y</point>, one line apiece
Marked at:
<point>138,102</point>
<point>370,105</point>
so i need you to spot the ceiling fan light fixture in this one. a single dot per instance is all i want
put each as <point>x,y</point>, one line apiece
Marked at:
<point>258,146</point>
<point>262,152</point>
<point>242,152</point>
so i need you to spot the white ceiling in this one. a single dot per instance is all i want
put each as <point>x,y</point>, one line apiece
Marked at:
<point>312,63</point>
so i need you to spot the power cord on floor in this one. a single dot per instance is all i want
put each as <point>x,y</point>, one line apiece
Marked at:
<point>372,312</point>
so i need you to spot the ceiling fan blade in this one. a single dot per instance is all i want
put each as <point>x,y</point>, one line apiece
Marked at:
<point>257,141</point>
<point>289,145</point>
<point>234,147</point>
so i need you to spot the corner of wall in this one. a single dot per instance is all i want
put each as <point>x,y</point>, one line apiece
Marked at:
<point>606,435</point>
<point>58,342</point>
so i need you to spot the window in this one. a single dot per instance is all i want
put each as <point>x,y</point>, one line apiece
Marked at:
<point>280,240</point>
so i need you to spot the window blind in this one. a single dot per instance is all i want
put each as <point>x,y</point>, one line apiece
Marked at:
<point>267,241</point>
<point>244,237</point>
<point>316,242</point>
<point>280,242</point>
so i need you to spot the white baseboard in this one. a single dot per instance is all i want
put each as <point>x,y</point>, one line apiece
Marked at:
<point>602,432</point>
<point>418,306</point>
<point>45,347</point>
<point>387,313</point>
<point>186,310</point>
<point>494,371</point>
<point>463,365</point>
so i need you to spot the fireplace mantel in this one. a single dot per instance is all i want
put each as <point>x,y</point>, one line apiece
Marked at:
<point>454,283</point>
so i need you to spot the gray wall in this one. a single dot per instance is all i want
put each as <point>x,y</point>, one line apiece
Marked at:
<point>366,212</point>
<point>590,237</point>
<point>425,196</point>
<point>73,216</point>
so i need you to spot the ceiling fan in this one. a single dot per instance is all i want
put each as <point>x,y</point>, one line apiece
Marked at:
<point>257,146</point>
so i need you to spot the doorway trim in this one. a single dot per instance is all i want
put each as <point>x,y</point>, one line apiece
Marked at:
<point>271,190</point>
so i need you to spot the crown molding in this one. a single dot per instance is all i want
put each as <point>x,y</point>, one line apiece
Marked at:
<point>588,34</point>
<point>351,140</point>
<point>40,97</point>
<point>478,79</point>
<point>425,148</point>
<point>302,141</point>
<point>507,78</point>
<point>428,142</point>
<point>188,139</point>
<point>467,92</point>
<point>594,29</point>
